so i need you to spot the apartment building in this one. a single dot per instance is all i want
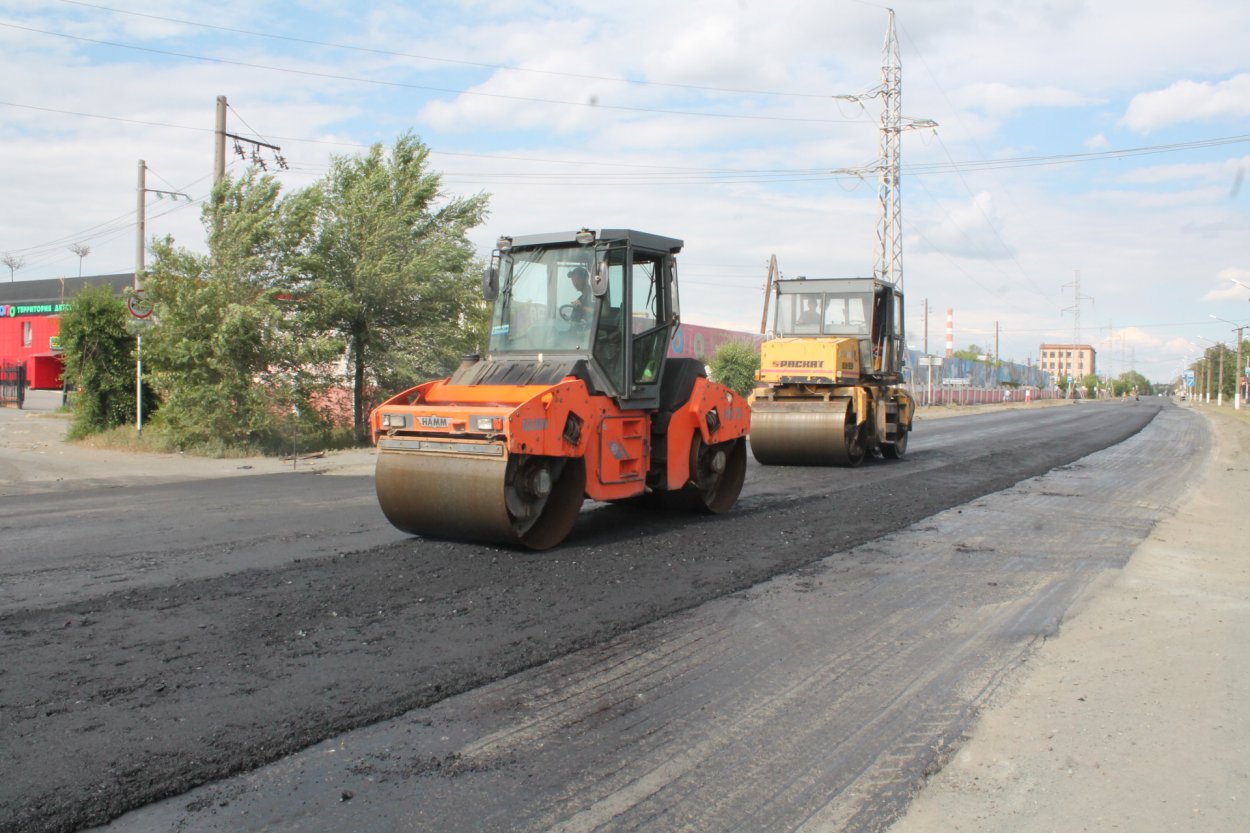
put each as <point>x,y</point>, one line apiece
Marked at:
<point>1064,360</point>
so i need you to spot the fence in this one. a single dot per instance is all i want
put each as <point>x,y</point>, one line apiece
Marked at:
<point>966,395</point>
<point>12,385</point>
<point>968,382</point>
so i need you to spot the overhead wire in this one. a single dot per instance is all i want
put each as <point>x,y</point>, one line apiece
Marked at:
<point>444,60</point>
<point>911,169</point>
<point>594,104</point>
<point>647,175</point>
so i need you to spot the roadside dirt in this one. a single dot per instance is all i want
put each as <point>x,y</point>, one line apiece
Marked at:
<point>1135,716</point>
<point>35,458</point>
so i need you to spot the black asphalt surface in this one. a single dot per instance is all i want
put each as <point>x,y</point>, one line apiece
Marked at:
<point>112,700</point>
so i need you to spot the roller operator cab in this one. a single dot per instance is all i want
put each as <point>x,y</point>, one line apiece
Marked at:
<point>829,390</point>
<point>575,398</point>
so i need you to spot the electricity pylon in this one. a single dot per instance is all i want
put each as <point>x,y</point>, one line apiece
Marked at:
<point>889,255</point>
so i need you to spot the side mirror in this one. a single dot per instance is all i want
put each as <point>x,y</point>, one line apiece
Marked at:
<point>599,277</point>
<point>490,279</point>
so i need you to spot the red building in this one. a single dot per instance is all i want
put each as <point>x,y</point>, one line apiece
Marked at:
<point>30,323</point>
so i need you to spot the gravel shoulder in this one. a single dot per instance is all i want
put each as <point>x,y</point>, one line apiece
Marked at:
<point>35,458</point>
<point>1134,717</point>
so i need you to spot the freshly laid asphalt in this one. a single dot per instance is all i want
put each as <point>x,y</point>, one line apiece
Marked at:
<point>118,699</point>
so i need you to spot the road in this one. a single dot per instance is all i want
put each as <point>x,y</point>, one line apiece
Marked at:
<point>798,664</point>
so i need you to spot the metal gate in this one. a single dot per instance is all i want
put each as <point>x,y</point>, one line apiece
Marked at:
<point>13,385</point>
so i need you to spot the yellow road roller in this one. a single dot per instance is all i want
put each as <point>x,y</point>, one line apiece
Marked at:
<point>575,398</point>
<point>829,390</point>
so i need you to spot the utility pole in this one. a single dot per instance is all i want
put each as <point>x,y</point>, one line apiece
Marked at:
<point>1239,373</point>
<point>140,222</point>
<point>141,193</point>
<point>219,146</point>
<point>1238,395</point>
<point>1076,305</point>
<point>929,359</point>
<point>926,326</point>
<point>1219,378</point>
<point>219,142</point>
<point>768,291</point>
<point>140,235</point>
<point>1206,376</point>
<point>890,218</point>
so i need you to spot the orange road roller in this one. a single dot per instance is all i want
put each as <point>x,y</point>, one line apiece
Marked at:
<point>574,398</point>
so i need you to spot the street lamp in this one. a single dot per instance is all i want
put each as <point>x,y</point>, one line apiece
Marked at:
<point>1240,375</point>
<point>1207,366</point>
<point>82,250</point>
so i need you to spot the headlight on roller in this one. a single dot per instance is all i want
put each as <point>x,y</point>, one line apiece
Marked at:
<point>394,420</point>
<point>487,424</point>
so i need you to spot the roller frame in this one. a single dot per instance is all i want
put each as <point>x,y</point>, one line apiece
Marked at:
<point>807,433</point>
<point>479,497</point>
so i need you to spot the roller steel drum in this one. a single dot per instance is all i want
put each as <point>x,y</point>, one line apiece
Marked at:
<point>809,433</point>
<point>531,502</point>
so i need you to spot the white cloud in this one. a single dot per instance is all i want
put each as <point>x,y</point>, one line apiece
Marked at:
<point>1232,284</point>
<point>1189,101</point>
<point>972,230</point>
<point>1000,99</point>
<point>1147,233</point>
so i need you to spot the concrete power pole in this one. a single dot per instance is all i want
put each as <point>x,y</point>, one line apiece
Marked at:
<point>140,225</point>
<point>141,192</point>
<point>1238,395</point>
<point>219,142</point>
<point>140,222</point>
<point>928,359</point>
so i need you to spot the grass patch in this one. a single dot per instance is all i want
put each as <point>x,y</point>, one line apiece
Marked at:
<point>154,440</point>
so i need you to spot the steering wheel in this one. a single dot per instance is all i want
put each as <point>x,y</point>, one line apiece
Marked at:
<point>570,313</point>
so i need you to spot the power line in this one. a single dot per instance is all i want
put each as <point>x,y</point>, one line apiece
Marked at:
<point>594,104</point>
<point>922,169</point>
<point>455,61</point>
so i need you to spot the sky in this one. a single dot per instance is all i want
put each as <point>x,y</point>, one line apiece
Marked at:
<point>1085,180</point>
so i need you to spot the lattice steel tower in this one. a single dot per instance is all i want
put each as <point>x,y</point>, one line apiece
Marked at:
<point>889,265</point>
<point>889,259</point>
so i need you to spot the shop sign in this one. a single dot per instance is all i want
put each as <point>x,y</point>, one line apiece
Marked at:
<point>14,310</point>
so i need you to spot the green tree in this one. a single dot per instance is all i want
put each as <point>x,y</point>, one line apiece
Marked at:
<point>99,361</point>
<point>1227,384</point>
<point>1089,386</point>
<point>232,355</point>
<point>734,365</point>
<point>394,275</point>
<point>971,353</point>
<point>1131,382</point>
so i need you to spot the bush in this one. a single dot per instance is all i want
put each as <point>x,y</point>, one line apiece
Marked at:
<point>734,365</point>
<point>99,362</point>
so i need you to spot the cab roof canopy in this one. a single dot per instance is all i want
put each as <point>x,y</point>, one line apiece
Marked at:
<point>639,239</point>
